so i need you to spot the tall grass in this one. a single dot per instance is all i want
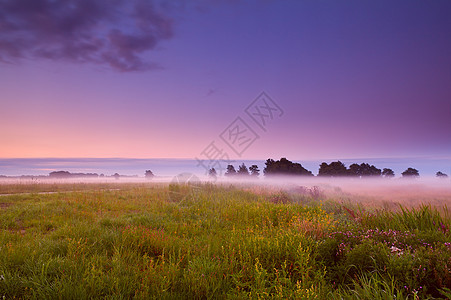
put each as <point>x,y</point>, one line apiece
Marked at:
<point>178,242</point>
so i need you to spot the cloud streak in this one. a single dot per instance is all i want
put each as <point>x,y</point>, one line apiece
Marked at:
<point>117,33</point>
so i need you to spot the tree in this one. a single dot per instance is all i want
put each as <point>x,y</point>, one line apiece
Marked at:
<point>269,166</point>
<point>369,170</point>
<point>335,168</point>
<point>410,172</point>
<point>212,173</point>
<point>354,170</point>
<point>242,170</point>
<point>254,170</point>
<point>149,174</point>
<point>441,174</point>
<point>388,173</point>
<point>284,167</point>
<point>230,171</point>
<point>60,174</point>
<point>116,176</point>
<point>363,169</point>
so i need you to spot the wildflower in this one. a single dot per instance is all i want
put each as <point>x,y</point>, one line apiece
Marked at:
<point>396,249</point>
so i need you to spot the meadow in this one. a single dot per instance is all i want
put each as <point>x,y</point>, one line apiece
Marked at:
<point>224,241</point>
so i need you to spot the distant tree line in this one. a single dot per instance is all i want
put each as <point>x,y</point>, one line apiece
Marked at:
<point>284,167</point>
<point>333,169</point>
<point>280,167</point>
<point>338,169</point>
<point>66,174</point>
<point>243,171</point>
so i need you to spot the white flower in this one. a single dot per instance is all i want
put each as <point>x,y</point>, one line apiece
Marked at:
<point>395,249</point>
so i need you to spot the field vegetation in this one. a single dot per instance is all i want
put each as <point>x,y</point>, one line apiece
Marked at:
<point>166,241</point>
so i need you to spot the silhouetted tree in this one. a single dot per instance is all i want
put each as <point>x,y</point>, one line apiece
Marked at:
<point>363,169</point>
<point>441,174</point>
<point>410,172</point>
<point>370,170</point>
<point>388,173</point>
<point>254,170</point>
<point>269,166</point>
<point>335,168</point>
<point>66,174</point>
<point>354,170</point>
<point>242,170</point>
<point>230,171</point>
<point>60,174</point>
<point>149,174</point>
<point>284,167</point>
<point>212,173</point>
<point>116,176</point>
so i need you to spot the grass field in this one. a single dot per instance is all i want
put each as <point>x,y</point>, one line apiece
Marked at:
<point>160,241</point>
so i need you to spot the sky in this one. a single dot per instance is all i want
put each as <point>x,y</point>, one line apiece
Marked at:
<point>224,79</point>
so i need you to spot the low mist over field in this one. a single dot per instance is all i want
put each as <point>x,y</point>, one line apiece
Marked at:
<point>373,192</point>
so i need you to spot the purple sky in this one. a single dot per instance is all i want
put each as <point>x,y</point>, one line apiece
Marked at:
<point>148,79</point>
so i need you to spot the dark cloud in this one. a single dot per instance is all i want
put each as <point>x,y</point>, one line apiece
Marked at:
<point>113,32</point>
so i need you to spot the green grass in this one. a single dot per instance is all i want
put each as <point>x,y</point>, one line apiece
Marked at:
<point>150,241</point>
